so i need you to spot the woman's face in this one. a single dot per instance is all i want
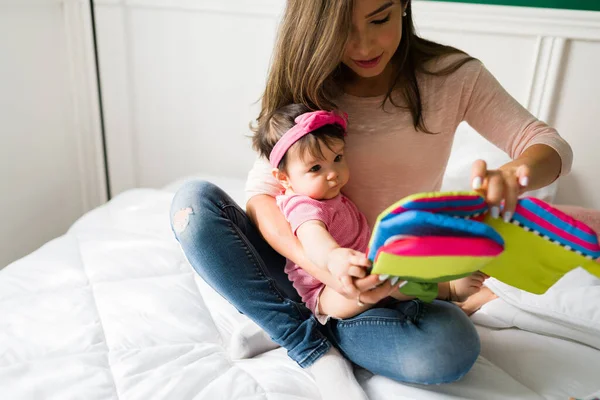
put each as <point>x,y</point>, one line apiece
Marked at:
<point>374,37</point>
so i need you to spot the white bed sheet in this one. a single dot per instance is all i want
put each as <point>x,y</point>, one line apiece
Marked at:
<point>112,310</point>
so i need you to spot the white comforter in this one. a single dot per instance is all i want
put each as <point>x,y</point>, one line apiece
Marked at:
<point>112,310</point>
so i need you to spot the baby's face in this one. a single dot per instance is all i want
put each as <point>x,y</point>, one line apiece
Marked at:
<point>316,178</point>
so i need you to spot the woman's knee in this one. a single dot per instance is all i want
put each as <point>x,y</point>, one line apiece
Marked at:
<point>193,199</point>
<point>458,344</point>
<point>446,350</point>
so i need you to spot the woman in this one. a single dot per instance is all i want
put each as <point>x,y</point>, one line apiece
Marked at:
<point>404,96</point>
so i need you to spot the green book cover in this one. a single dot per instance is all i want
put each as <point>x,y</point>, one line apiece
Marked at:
<point>589,5</point>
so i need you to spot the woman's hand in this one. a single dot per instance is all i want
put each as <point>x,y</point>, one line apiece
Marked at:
<point>372,290</point>
<point>337,305</point>
<point>349,267</point>
<point>504,184</point>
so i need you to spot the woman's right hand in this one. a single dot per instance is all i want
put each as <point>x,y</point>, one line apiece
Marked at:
<point>372,290</point>
<point>349,268</point>
<point>369,290</point>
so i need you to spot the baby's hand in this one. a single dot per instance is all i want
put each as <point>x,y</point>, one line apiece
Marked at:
<point>461,289</point>
<point>347,264</point>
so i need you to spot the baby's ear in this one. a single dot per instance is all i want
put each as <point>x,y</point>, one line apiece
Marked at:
<point>281,177</point>
<point>275,172</point>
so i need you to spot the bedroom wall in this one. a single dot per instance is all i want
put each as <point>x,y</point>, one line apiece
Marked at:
<point>180,79</point>
<point>51,169</point>
<point>179,82</point>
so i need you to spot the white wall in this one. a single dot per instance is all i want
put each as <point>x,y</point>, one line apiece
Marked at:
<point>180,78</point>
<point>50,161</point>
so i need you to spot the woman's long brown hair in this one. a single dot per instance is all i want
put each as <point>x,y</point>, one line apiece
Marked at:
<point>306,65</point>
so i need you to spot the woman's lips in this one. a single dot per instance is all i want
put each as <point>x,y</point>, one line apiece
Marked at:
<point>368,63</point>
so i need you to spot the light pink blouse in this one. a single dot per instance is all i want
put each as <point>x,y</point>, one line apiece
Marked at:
<point>389,159</point>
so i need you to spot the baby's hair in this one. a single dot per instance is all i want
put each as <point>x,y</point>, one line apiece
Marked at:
<point>281,121</point>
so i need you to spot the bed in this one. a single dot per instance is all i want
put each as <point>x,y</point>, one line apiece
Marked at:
<point>112,310</point>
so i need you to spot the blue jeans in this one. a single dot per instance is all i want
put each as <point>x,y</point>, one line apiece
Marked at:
<point>406,341</point>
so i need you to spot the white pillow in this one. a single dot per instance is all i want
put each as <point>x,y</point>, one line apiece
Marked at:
<point>470,146</point>
<point>569,309</point>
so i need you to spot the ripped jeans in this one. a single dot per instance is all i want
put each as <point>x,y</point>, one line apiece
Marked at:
<point>407,341</point>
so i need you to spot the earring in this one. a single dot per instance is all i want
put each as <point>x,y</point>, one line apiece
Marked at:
<point>404,14</point>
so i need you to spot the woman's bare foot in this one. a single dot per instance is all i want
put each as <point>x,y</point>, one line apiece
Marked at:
<point>477,300</point>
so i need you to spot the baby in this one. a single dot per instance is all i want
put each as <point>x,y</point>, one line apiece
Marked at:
<point>306,151</point>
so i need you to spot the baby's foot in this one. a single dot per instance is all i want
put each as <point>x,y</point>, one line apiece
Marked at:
<point>477,300</point>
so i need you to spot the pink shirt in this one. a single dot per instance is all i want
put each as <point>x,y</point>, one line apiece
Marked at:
<point>345,224</point>
<point>389,159</point>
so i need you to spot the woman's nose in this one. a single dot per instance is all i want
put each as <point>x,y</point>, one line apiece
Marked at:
<point>360,44</point>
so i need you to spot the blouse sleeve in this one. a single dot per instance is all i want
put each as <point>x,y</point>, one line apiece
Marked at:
<point>498,117</point>
<point>261,181</point>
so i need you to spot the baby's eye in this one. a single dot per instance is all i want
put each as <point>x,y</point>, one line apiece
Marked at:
<point>315,168</point>
<point>338,158</point>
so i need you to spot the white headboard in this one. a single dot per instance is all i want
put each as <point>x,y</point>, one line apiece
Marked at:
<point>180,80</point>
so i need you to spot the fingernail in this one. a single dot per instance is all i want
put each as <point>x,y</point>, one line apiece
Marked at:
<point>402,284</point>
<point>383,277</point>
<point>524,181</point>
<point>477,182</point>
<point>507,216</point>
<point>394,280</point>
<point>495,212</point>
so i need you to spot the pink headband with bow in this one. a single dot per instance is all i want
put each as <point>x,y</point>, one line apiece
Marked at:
<point>305,124</point>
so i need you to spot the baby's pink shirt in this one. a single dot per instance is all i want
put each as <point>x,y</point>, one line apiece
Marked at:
<point>345,224</point>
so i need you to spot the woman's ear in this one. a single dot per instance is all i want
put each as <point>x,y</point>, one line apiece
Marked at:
<point>405,7</point>
<point>281,177</point>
